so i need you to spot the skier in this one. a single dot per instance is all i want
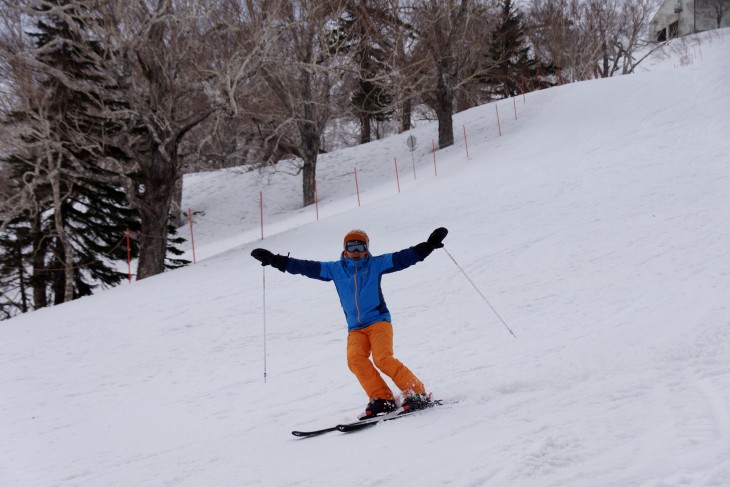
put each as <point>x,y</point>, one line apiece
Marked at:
<point>357,279</point>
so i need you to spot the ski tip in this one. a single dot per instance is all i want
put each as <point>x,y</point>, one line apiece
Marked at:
<point>309,434</point>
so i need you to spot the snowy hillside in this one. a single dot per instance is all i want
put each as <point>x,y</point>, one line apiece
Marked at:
<point>597,225</point>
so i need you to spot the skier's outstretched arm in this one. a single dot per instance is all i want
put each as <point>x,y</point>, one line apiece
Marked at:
<point>308,268</point>
<point>408,257</point>
<point>268,258</point>
<point>434,241</point>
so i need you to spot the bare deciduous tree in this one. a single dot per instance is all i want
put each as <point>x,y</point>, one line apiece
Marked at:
<point>56,150</point>
<point>716,9</point>
<point>172,65</point>
<point>589,38</point>
<point>556,34</point>
<point>4,185</point>
<point>634,36</point>
<point>452,37</point>
<point>304,78</point>
<point>179,63</point>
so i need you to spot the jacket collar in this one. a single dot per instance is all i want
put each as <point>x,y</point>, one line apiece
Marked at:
<point>351,264</point>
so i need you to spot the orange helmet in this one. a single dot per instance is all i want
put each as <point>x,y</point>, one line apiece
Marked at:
<point>356,236</point>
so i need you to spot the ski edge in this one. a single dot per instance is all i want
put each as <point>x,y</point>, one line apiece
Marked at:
<point>364,423</point>
<point>398,413</point>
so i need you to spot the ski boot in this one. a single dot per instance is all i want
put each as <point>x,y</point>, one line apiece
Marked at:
<point>415,402</point>
<point>377,407</point>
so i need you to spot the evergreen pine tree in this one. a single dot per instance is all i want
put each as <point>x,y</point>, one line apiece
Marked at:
<point>16,287</point>
<point>510,54</point>
<point>94,207</point>
<point>360,32</point>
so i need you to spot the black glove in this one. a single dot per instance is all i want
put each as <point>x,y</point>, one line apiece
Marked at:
<point>435,241</point>
<point>267,258</point>
<point>263,256</point>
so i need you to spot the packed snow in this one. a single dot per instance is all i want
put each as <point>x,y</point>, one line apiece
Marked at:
<point>597,225</point>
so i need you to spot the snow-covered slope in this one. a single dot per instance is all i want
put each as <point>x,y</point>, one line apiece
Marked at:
<point>597,225</point>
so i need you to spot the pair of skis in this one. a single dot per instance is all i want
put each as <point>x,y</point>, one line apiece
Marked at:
<point>364,423</point>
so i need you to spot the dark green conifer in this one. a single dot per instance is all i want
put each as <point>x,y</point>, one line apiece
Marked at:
<point>514,68</point>
<point>94,206</point>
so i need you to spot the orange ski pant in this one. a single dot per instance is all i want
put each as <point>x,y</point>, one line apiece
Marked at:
<point>378,340</point>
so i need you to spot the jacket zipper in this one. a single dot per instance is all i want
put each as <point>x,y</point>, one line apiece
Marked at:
<point>357,305</point>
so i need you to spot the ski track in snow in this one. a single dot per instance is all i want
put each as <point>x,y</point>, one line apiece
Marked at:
<point>597,226</point>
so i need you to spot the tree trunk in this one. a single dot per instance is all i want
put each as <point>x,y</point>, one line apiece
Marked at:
<point>365,132</point>
<point>443,108</point>
<point>605,59</point>
<point>309,171</point>
<point>67,249</point>
<point>37,281</point>
<point>309,177</point>
<point>405,115</point>
<point>177,214</point>
<point>159,179</point>
<point>21,278</point>
<point>154,212</point>
<point>309,149</point>
<point>58,283</point>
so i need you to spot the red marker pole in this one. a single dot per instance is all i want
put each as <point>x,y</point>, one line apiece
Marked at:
<point>129,257</point>
<point>357,188</point>
<point>192,235</point>
<point>397,179</point>
<point>499,125</point>
<point>466,144</point>
<point>261,207</point>
<point>433,149</point>
<point>316,199</point>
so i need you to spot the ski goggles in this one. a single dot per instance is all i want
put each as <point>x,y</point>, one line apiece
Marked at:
<point>355,246</point>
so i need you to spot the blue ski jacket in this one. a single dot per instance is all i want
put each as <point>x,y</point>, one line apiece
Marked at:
<point>358,282</point>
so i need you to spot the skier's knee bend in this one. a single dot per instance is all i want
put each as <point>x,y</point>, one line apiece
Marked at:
<point>388,364</point>
<point>355,361</point>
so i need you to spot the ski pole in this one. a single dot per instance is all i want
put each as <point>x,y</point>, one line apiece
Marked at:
<point>263,271</point>
<point>480,293</point>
